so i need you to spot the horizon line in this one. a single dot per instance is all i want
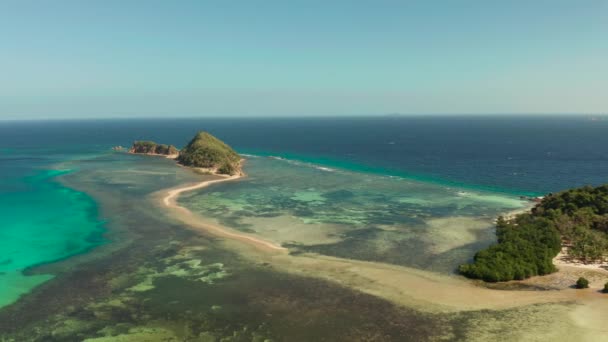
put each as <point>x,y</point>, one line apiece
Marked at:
<point>313,116</point>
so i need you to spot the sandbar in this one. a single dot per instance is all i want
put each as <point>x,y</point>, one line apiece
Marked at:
<point>169,200</point>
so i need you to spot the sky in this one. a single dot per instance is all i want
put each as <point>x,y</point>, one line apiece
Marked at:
<point>89,59</point>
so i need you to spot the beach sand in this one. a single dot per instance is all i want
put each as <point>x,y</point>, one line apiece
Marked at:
<point>169,200</point>
<point>562,259</point>
<point>513,213</point>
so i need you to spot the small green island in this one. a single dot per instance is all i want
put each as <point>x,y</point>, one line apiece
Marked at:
<point>573,222</point>
<point>205,153</point>
<point>150,147</point>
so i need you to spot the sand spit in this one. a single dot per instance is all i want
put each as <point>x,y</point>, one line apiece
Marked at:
<point>169,200</point>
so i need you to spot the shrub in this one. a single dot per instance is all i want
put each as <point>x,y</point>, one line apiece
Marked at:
<point>525,248</point>
<point>227,169</point>
<point>582,283</point>
<point>143,147</point>
<point>605,290</point>
<point>152,147</point>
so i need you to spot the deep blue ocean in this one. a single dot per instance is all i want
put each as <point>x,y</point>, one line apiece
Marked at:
<point>533,155</point>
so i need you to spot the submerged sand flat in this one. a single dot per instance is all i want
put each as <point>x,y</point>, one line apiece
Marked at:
<point>353,215</point>
<point>462,231</point>
<point>414,288</point>
<point>399,284</point>
<point>217,283</point>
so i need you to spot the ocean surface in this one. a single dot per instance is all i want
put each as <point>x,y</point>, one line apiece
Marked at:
<point>42,221</point>
<point>514,154</point>
<point>408,191</point>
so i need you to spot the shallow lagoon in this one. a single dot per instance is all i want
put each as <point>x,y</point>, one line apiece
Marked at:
<point>42,222</point>
<point>157,280</point>
<point>310,208</point>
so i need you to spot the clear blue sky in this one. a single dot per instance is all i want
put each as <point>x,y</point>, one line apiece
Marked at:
<point>252,58</point>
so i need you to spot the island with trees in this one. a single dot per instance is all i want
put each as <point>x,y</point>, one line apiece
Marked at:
<point>574,222</point>
<point>208,152</point>
<point>204,153</point>
<point>150,147</point>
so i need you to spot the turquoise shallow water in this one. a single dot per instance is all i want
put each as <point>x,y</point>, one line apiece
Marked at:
<point>42,222</point>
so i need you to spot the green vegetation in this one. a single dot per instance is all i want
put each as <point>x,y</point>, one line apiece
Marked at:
<point>150,147</point>
<point>206,151</point>
<point>527,244</point>
<point>203,151</point>
<point>525,248</point>
<point>582,283</point>
<point>605,290</point>
<point>581,217</point>
<point>227,169</point>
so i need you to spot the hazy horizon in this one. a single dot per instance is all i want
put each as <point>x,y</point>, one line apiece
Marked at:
<point>590,116</point>
<point>117,59</point>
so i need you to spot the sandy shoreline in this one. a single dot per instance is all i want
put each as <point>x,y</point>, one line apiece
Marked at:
<point>562,259</point>
<point>513,213</point>
<point>169,200</point>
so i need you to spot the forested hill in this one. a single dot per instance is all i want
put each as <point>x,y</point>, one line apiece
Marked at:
<point>207,151</point>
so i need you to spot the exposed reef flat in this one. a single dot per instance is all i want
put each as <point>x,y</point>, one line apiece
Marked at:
<point>407,287</point>
<point>184,284</point>
<point>162,281</point>
<point>424,290</point>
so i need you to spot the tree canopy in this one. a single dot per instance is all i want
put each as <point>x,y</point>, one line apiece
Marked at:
<point>207,151</point>
<point>527,244</point>
<point>150,147</point>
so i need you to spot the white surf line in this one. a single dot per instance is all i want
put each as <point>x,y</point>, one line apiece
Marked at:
<point>170,201</point>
